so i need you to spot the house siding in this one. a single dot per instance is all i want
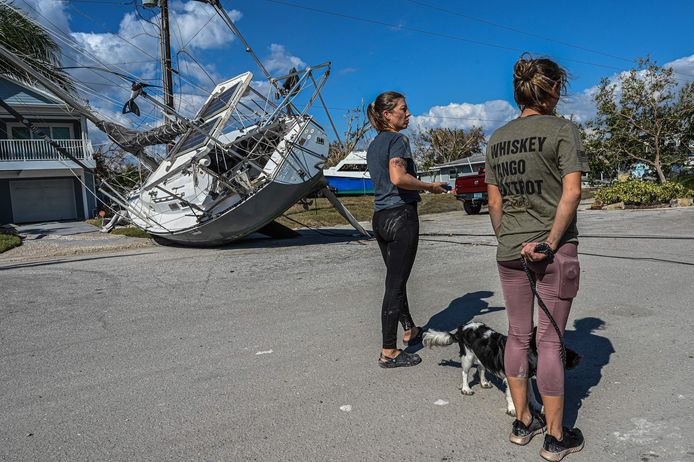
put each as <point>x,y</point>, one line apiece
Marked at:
<point>35,160</point>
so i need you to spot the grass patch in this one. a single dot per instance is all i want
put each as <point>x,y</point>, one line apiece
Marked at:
<point>9,241</point>
<point>131,232</point>
<point>98,222</point>
<point>322,214</point>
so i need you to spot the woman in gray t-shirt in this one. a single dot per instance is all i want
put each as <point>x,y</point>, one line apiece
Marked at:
<point>533,173</point>
<point>395,220</point>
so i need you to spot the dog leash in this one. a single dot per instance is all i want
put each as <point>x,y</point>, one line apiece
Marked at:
<point>544,248</point>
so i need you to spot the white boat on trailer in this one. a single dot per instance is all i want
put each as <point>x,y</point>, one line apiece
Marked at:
<point>350,176</point>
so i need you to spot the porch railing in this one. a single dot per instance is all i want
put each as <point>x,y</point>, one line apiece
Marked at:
<point>32,150</point>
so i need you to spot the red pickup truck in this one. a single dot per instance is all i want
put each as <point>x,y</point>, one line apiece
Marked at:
<point>472,191</point>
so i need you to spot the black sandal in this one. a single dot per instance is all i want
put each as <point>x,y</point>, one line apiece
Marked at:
<point>404,359</point>
<point>417,339</point>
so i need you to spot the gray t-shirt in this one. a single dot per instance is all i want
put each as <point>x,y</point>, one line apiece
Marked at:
<point>527,159</point>
<point>386,146</point>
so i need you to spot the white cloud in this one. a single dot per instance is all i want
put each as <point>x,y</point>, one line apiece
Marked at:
<point>49,13</point>
<point>683,66</point>
<point>281,62</point>
<point>579,106</point>
<point>492,114</point>
<point>134,49</point>
<point>199,26</point>
<point>488,115</point>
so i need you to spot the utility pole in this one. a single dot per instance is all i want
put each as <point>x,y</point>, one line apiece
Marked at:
<point>167,81</point>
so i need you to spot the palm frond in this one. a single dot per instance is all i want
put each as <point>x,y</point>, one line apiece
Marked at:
<point>33,44</point>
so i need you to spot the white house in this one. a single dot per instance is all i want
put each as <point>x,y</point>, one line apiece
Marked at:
<point>37,183</point>
<point>452,170</point>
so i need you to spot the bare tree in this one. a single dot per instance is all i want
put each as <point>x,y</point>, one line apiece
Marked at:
<point>118,167</point>
<point>357,136</point>
<point>440,145</point>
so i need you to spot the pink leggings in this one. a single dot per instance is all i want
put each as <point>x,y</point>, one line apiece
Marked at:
<point>557,284</point>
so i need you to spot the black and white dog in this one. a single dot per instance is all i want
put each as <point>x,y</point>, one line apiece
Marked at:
<point>483,347</point>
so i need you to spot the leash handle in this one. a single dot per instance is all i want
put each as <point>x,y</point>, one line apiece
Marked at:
<point>545,249</point>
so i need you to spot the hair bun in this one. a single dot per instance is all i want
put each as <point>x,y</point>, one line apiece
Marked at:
<point>524,70</point>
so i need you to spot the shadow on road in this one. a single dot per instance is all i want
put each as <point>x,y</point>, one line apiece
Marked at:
<point>460,311</point>
<point>306,237</point>
<point>61,261</point>
<point>596,351</point>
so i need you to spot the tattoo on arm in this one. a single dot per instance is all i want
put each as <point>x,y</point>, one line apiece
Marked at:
<point>398,162</point>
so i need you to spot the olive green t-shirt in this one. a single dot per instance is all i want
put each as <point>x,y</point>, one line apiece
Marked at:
<point>527,159</point>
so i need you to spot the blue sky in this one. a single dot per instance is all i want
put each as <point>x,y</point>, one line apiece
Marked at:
<point>453,59</point>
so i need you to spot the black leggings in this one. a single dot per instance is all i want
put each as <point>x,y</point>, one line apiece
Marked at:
<point>397,233</point>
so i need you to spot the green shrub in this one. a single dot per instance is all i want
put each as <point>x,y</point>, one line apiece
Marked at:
<point>636,192</point>
<point>9,241</point>
<point>685,180</point>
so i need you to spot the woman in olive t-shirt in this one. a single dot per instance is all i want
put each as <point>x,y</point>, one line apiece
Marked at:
<point>533,172</point>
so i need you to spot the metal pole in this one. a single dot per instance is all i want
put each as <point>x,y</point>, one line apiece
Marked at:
<point>165,52</point>
<point>165,46</point>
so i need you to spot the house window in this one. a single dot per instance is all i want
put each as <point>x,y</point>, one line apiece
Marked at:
<point>20,133</point>
<point>56,132</point>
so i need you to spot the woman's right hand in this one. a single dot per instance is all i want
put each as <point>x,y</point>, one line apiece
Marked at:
<point>436,187</point>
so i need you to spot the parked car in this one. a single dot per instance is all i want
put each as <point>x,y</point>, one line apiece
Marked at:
<point>472,191</point>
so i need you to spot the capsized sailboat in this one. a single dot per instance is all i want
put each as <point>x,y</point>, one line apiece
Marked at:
<point>238,164</point>
<point>244,164</point>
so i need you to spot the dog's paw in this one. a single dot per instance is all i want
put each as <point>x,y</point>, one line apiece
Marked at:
<point>486,385</point>
<point>467,392</point>
<point>511,411</point>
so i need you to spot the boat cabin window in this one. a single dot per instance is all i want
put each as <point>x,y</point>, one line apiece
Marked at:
<point>353,168</point>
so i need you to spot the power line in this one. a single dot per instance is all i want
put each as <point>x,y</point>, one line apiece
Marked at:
<point>518,31</point>
<point>102,2</point>
<point>433,34</point>
<point>134,46</point>
<point>71,43</point>
<point>531,34</point>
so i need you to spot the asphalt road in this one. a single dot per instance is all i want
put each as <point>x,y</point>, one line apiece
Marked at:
<point>266,350</point>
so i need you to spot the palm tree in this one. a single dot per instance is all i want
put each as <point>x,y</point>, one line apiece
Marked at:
<point>33,44</point>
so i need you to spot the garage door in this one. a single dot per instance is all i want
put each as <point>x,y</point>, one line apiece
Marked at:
<point>43,200</point>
